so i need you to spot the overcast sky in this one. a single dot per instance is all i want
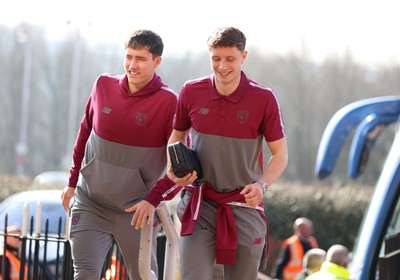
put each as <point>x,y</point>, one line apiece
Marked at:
<point>368,29</point>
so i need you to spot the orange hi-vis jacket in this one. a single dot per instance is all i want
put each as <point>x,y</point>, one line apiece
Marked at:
<point>117,270</point>
<point>295,265</point>
<point>15,265</point>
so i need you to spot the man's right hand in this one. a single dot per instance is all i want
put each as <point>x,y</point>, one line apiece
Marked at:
<point>66,196</point>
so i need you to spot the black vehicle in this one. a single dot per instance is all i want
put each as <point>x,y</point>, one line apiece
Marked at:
<point>48,250</point>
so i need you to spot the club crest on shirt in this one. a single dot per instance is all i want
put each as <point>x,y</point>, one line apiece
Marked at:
<point>141,119</point>
<point>242,116</point>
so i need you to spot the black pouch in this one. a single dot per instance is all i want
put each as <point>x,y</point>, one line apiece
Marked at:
<point>184,160</point>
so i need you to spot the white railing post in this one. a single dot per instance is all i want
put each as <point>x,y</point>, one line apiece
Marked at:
<point>145,248</point>
<point>171,248</point>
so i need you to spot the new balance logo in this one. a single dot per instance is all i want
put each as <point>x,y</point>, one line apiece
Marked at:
<point>258,240</point>
<point>204,111</point>
<point>106,110</point>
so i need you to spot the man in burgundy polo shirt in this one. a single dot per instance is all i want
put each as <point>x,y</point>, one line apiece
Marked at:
<point>228,116</point>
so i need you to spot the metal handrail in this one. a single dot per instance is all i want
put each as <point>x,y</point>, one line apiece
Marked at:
<point>145,248</point>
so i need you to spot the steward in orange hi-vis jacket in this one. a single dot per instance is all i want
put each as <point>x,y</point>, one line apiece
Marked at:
<point>294,248</point>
